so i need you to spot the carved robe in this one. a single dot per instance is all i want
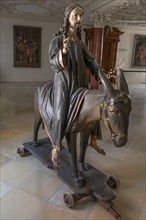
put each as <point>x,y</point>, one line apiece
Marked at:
<point>67,91</point>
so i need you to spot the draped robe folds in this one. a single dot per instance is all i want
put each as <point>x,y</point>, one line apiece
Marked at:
<point>60,101</point>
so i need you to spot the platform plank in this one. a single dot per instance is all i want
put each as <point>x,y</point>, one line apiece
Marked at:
<point>96,181</point>
<point>41,152</point>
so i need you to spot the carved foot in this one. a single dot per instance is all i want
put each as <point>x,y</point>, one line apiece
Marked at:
<point>55,157</point>
<point>94,145</point>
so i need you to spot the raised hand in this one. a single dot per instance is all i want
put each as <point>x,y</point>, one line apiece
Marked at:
<point>66,45</point>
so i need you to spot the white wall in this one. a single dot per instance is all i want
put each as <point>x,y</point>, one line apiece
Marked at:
<point>125,51</point>
<point>11,73</point>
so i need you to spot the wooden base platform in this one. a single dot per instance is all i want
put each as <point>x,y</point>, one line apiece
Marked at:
<point>97,184</point>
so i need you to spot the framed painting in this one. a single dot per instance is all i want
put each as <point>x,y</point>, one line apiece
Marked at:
<point>139,51</point>
<point>27,46</point>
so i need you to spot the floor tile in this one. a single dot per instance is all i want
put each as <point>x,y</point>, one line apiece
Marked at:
<point>81,208</point>
<point>41,185</point>
<point>19,205</point>
<point>51,212</point>
<point>9,150</point>
<point>4,189</point>
<point>131,174</point>
<point>39,192</point>
<point>112,151</point>
<point>128,206</point>
<point>136,156</point>
<point>135,191</point>
<point>4,160</point>
<point>142,215</point>
<point>99,213</point>
<point>10,134</point>
<point>15,172</point>
<point>102,162</point>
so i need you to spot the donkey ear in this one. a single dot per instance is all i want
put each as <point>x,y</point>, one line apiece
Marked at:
<point>121,81</point>
<point>109,89</point>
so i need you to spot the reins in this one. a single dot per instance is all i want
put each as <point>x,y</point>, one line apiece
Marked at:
<point>103,110</point>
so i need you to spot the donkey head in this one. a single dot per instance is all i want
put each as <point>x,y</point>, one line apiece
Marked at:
<point>117,107</point>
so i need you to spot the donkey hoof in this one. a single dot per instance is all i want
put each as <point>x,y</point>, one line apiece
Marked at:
<point>35,143</point>
<point>79,182</point>
<point>83,167</point>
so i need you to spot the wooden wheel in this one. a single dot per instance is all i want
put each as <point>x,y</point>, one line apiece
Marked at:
<point>113,182</point>
<point>68,200</point>
<point>22,152</point>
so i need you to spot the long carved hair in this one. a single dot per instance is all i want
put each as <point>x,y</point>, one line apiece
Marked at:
<point>64,30</point>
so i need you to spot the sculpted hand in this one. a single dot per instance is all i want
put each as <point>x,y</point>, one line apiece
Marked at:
<point>66,45</point>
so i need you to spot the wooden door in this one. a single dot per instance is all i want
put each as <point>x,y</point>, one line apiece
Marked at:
<point>110,43</point>
<point>93,40</point>
<point>103,46</point>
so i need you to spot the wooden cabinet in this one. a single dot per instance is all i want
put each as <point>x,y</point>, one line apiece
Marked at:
<point>110,44</point>
<point>89,39</point>
<point>93,40</point>
<point>103,42</point>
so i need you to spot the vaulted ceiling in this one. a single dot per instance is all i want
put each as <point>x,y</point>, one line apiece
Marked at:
<point>97,12</point>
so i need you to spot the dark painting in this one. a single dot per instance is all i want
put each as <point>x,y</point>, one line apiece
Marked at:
<point>27,46</point>
<point>139,51</point>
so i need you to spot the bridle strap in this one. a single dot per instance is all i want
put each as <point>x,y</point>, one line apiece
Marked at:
<point>108,123</point>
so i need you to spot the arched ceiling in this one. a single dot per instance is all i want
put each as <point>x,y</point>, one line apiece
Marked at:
<point>97,12</point>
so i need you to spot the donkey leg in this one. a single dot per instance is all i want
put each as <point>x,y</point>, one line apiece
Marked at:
<point>37,123</point>
<point>84,137</point>
<point>37,118</point>
<point>71,143</point>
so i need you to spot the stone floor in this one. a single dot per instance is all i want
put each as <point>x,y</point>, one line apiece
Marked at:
<point>29,190</point>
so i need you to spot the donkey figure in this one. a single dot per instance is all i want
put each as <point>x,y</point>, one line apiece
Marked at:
<point>111,105</point>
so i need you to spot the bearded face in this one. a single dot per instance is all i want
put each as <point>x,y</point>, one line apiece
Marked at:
<point>75,17</point>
